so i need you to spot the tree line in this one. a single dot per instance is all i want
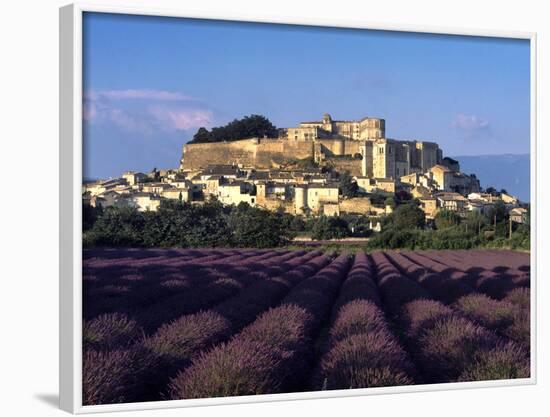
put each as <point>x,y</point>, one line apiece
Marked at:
<point>253,126</point>
<point>179,224</point>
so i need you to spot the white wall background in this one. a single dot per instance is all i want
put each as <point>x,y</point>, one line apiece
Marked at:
<point>29,215</point>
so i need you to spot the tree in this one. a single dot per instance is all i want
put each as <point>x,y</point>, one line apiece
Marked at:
<point>348,187</point>
<point>474,222</point>
<point>326,228</point>
<point>258,228</point>
<point>408,216</point>
<point>90,215</point>
<point>378,199</point>
<point>248,127</point>
<point>202,135</point>
<point>497,213</point>
<point>446,218</point>
<point>390,201</point>
<point>491,190</point>
<point>403,196</point>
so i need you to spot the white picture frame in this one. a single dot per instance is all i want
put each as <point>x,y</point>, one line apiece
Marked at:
<point>70,153</point>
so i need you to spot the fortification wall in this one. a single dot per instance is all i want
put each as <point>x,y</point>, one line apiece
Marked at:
<point>340,147</point>
<point>260,153</point>
<point>354,166</point>
<point>272,153</point>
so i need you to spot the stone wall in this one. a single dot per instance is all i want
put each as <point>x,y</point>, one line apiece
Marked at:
<point>274,204</point>
<point>258,153</point>
<point>354,166</point>
<point>355,206</point>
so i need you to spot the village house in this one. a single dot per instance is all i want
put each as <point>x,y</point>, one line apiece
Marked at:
<point>448,180</point>
<point>226,171</point>
<point>134,178</point>
<point>177,193</point>
<point>143,201</point>
<point>312,198</point>
<point>236,192</point>
<point>451,201</point>
<point>99,187</point>
<point>429,206</point>
<point>417,178</point>
<point>509,200</point>
<point>154,187</point>
<point>421,192</point>
<point>258,176</point>
<point>371,185</point>
<point>518,215</point>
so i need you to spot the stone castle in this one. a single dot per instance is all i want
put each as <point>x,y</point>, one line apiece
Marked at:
<point>359,146</point>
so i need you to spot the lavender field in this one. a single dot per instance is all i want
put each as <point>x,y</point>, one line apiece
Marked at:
<point>164,324</point>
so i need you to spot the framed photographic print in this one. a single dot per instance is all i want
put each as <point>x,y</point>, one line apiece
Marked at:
<point>263,209</point>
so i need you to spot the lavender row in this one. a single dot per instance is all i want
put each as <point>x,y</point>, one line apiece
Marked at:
<point>494,284</point>
<point>484,263</point>
<point>395,288</point>
<point>112,268</point>
<point>273,354</point>
<point>140,294</point>
<point>447,347</point>
<point>175,344</point>
<point>169,349</point>
<point>502,317</point>
<point>203,297</point>
<point>362,351</point>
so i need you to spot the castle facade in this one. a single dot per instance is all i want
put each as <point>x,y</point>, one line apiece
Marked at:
<point>358,146</point>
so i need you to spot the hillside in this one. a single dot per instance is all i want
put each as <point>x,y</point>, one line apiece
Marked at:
<point>511,172</point>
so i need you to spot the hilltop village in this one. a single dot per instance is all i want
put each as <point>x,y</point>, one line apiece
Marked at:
<point>327,167</point>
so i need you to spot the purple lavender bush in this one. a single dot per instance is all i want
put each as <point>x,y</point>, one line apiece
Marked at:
<point>110,331</point>
<point>448,347</point>
<point>505,361</point>
<point>372,359</point>
<point>113,376</point>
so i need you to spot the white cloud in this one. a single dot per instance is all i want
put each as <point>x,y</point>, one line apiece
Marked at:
<point>181,118</point>
<point>144,111</point>
<point>133,94</point>
<point>469,122</point>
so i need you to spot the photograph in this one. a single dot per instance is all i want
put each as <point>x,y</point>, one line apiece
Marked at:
<point>274,208</point>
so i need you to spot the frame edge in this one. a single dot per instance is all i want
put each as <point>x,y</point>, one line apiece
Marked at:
<point>67,400</point>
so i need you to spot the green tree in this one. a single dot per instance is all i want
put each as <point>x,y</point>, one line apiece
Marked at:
<point>378,199</point>
<point>446,218</point>
<point>348,187</point>
<point>326,228</point>
<point>118,226</point>
<point>247,127</point>
<point>497,212</point>
<point>474,222</point>
<point>259,228</point>
<point>202,135</point>
<point>408,216</point>
<point>390,201</point>
<point>90,215</point>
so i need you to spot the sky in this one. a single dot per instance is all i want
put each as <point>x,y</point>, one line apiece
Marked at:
<point>151,82</point>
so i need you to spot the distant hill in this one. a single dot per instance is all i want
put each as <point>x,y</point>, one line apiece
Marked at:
<point>511,172</point>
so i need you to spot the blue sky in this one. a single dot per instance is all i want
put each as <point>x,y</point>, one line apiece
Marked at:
<point>151,82</point>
